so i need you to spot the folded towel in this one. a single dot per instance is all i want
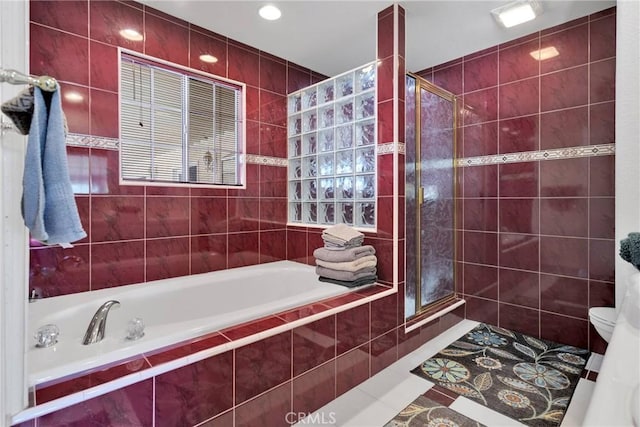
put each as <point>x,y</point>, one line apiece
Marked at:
<point>342,246</point>
<point>349,254</point>
<point>357,264</point>
<point>342,232</point>
<point>48,204</point>
<point>367,280</point>
<point>347,276</point>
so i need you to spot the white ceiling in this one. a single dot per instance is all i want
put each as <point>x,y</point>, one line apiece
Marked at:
<point>331,37</point>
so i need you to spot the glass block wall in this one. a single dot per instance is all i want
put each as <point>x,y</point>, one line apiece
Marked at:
<point>332,151</point>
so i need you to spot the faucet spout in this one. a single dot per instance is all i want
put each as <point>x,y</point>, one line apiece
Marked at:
<point>95,331</point>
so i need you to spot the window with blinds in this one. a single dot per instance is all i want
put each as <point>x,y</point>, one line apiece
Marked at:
<point>177,126</point>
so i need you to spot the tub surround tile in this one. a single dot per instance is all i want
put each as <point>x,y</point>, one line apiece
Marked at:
<point>384,316</point>
<point>314,389</point>
<point>352,368</point>
<point>252,327</point>
<point>302,312</point>
<point>564,256</point>
<point>480,214</point>
<point>480,73</point>
<point>481,280</point>
<point>208,215</point>
<point>519,215</point>
<point>243,249</point>
<point>480,140</point>
<point>480,106</point>
<point>194,393</point>
<point>314,344</point>
<point>273,246</point>
<point>208,253</point>
<point>105,175</point>
<point>164,40</point>
<point>56,271</point>
<point>352,328</point>
<point>167,216</point>
<point>116,264</point>
<point>168,354</point>
<point>384,351</point>
<point>268,409</point>
<point>559,178</point>
<point>564,217</point>
<point>167,258</point>
<point>481,310</point>
<point>449,78</point>
<point>519,98</point>
<point>117,218</point>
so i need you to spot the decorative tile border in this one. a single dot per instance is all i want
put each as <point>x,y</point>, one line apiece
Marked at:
<point>530,156</point>
<point>265,160</point>
<point>389,148</point>
<point>80,140</point>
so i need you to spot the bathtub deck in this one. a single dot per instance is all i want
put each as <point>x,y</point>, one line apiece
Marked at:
<point>381,397</point>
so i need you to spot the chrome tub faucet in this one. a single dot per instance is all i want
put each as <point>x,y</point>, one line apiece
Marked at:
<point>95,331</point>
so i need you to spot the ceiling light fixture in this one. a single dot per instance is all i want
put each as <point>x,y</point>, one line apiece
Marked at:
<point>208,58</point>
<point>517,12</point>
<point>270,12</point>
<point>131,34</point>
<point>546,53</point>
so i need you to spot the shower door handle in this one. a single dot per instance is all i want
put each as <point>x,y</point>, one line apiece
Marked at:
<point>420,195</point>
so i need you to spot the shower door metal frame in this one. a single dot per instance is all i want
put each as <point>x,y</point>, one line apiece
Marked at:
<point>421,83</point>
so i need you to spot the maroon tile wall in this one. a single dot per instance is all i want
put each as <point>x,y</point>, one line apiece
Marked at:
<point>536,241</point>
<point>137,233</point>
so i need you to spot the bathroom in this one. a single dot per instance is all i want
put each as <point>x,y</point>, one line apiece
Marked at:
<point>579,260</point>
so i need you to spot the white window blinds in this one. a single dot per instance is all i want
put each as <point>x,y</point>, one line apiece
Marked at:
<point>178,127</point>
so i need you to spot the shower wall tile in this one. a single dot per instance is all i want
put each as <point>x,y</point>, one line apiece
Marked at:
<point>58,17</point>
<point>52,58</point>
<point>541,231</point>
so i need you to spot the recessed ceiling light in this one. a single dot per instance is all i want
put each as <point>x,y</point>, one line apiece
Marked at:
<point>73,97</point>
<point>517,12</point>
<point>208,58</point>
<point>131,34</point>
<point>270,12</point>
<point>546,53</point>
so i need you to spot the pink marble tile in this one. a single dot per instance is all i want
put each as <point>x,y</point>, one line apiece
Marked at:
<point>273,108</point>
<point>103,66</point>
<point>480,181</point>
<point>242,214</point>
<point>196,392</point>
<point>384,315</point>
<point>174,20</point>
<point>602,123</point>
<point>602,176</point>
<point>480,280</point>
<point>520,179</point>
<point>62,55</point>
<point>564,178</point>
<point>273,246</point>
<point>564,330</point>
<point>243,65</point>
<point>208,253</point>
<point>519,251</point>
<point>84,210</point>
<point>602,80</point>
<point>252,107</point>
<point>78,166</point>
<point>297,77</point>
<point>564,89</point>
<point>116,264</point>
<point>314,344</point>
<point>516,63</point>
<point>352,328</point>
<point>48,392</point>
<point>302,312</point>
<point>572,45</point>
<point>204,44</point>
<point>166,40</point>
<point>481,248</point>
<point>134,403</point>
<point>76,109</point>
<point>385,122</point>
<point>481,106</point>
<point>601,294</point>
<point>167,354</point>
<point>480,140</point>
<point>297,245</point>
<point>519,288</point>
<point>385,79</point>
<point>564,295</point>
<point>262,365</point>
<point>167,258</point>
<point>519,215</point>
<point>270,409</point>
<point>602,260</point>
<point>104,114</point>
<point>481,310</point>
<point>167,216</point>
<point>602,218</point>
<point>108,18</point>
<point>342,299</point>
<point>384,252</point>
<point>117,218</point>
<point>565,128</point>
<point>273,141</point>
<point>314,389</point>
<point>58,17</point>
<point>242,249</point>
<point>167,191</point>
<point>564,25</point>
<point>519,98</point>
<point>385,35</point>
<point>273,181</point>
<point>519,40</point>
<point>564,256</point>
<point>481,214</point>
<point>602,38</point>
<point>208,215</point>
<point>352,368</point>
<point>273,213</point>
<point>384,351</point>
<point>449,78</point>
<point>273,75</point>
<point>520,319</point>
<point>480,73</point>
<point>564,217</point>
<point>223,420</point>
<point>105,175</point>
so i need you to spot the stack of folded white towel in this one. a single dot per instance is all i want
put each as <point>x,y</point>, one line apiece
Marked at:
<point>343,260</point>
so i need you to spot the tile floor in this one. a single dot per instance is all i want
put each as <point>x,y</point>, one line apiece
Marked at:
<point>377,400</point>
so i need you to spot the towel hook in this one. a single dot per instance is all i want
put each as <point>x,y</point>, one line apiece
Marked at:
<point>46,83</point>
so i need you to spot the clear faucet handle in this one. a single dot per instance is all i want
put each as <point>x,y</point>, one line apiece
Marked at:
<point>135,329</point>
<point>47,335</point>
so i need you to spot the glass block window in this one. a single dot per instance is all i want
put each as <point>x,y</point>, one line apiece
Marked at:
<point>332,151</point>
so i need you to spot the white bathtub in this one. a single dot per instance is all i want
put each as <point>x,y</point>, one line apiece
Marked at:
<point>173,310</point>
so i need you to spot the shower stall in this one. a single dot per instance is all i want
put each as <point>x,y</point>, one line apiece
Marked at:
<point>430,196</point>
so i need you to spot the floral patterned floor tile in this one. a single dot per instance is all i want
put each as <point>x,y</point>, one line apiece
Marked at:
<point>425,412</point>
<point>525,378</point>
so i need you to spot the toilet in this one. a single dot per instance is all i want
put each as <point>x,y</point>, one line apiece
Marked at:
<point>604,320</point>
